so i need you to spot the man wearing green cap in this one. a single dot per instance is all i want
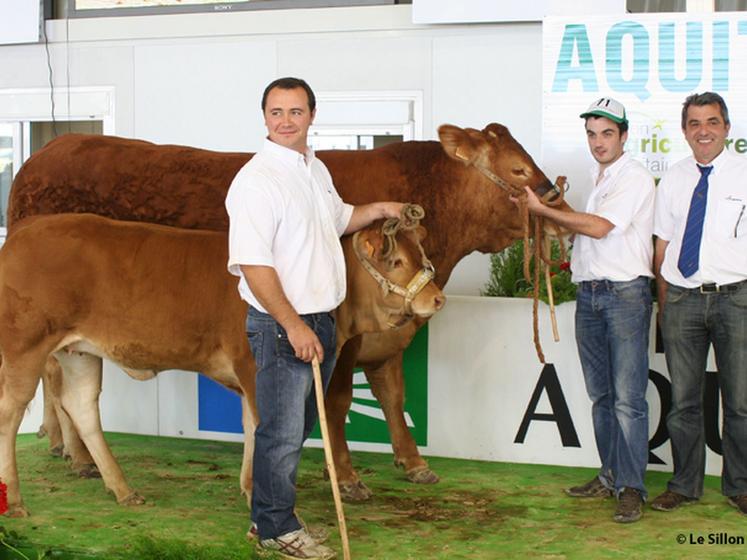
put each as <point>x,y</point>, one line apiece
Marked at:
<point>612,265</point>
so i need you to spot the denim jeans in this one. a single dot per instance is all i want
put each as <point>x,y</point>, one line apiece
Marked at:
<point>612,334</point>
<point>691,322</point>
<point>286,404</point>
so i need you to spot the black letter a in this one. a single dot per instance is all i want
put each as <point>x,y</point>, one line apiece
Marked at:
<point>548,380</point>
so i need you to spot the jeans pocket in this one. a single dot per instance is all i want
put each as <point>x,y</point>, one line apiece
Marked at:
<point>255,343</point>
<point>636,292</point>
<point>675,294</point>
<point>739,298</point>
<point>283,346</point>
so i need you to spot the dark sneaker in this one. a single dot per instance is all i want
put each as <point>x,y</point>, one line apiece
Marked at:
<point>739,502</point>
<point>669,501</point>
<point>296,544</point>
<point>629,506</point>
<point>592,489</point>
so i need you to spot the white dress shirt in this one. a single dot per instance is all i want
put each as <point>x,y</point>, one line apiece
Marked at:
<point>723,247</point>
<point>284,212</point>
<point>624,196</point>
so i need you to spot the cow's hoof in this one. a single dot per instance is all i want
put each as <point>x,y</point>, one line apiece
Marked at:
<point>57,450</point>
<point>17,511</point>
<point>133,499</point>
<point>422,475</point>
<point>355,491</point>
<point>88,470</point>
<point>42,432</point>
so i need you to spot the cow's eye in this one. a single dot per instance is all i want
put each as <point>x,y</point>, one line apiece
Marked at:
<point>519,171</point>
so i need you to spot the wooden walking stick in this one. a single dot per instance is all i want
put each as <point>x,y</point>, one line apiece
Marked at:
<point>319,388</point>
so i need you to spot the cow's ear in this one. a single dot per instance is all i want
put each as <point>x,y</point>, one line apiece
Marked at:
<point>370,243</point>
<point>458,143</point>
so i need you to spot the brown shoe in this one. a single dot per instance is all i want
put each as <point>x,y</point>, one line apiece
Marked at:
<point>592,489</point>
<point>669,501</point>
<point>739,502</point>
<point>629,506</point>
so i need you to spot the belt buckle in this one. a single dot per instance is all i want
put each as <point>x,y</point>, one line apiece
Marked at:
<point>709,288</point>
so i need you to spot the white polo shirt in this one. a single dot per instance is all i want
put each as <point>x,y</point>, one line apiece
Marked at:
<point>284,212</point>
<point>624,196</point>
<point>723,247</point>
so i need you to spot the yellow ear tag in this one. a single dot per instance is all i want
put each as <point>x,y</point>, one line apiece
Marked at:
<point>369,249</point>
<point>460,155</point>
<point>493,134</point>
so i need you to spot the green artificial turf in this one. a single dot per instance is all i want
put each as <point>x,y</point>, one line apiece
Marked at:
<point>480,510</point>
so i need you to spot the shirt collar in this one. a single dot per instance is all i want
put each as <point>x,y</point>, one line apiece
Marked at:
<point>718,163</point>
<point>613,169</point>
<point>286,155</point>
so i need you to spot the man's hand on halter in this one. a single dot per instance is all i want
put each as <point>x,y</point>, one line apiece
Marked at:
<point>532,201</point>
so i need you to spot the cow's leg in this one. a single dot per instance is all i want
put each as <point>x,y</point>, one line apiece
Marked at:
<point>50,426</point>
<point>249,421</point>
<point>337,404</point>
<point>81,460</point>
<point>387,385</point>
<point>81,386</point>
<point>19,378</point>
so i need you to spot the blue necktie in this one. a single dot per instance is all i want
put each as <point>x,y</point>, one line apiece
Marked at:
<point>690,250</point>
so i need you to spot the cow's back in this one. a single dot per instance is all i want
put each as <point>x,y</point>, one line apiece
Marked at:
<point>126,179</point>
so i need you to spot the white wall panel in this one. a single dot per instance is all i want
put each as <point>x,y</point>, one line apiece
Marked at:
<point>203,94</point>
<point>370,63</point>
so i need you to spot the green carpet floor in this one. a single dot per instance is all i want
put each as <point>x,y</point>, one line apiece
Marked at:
<point>479,511</point>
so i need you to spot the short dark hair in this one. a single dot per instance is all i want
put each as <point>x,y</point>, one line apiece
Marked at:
<point>701,99</point>
<point>621,126</point>
<point>290,83</point>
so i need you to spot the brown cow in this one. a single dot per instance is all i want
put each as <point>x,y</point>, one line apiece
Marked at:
<point>149,298</point>
<point>455,181</point>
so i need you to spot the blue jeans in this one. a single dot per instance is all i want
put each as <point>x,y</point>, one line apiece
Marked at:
<point>612,333</point>
<point>691,322</point>
<point>286,404</point>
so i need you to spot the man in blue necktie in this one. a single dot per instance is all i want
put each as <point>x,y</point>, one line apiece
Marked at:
<point>701,272</point>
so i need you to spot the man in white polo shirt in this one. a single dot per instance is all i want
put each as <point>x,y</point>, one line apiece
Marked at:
<point>612,265</point>
<point>701,264</point>
<point>285,220</point>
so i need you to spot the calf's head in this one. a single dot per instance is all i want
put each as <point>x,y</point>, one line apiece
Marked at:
<point>390,279</point>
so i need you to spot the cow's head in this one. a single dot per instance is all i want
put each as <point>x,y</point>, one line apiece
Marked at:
<point>390,279</point>
<point>496,154</point>
<point>495,167</point>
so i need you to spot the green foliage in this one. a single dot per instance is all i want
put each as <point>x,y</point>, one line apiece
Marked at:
<point>150,548</point>
<point>507,276</point>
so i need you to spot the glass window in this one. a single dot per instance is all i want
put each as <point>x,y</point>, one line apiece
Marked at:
<point>6,166</point>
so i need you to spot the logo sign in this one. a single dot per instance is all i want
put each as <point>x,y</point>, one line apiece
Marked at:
<point>219,410</point>
<point>650,63</point>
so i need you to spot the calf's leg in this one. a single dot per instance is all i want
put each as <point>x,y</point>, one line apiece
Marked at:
<point>337,405</point>
<point>387,385</point>
<point>81,386</point>
<point>19,377</point>
<point>81,460</point>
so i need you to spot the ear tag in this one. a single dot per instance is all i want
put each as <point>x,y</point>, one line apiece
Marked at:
<point>369,249</point>
<point>460,155</point>
<point>493,134</point>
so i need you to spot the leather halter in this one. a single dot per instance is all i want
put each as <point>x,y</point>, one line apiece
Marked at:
<point>556,190</point>
<point>421,278</point>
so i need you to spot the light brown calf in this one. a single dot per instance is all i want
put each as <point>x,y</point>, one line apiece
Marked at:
<point>149,298</point>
